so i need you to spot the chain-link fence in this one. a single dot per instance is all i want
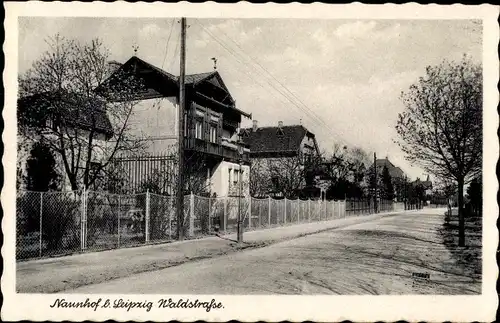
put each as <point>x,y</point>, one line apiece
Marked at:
<point>47,223</point>
<point>56,223</point>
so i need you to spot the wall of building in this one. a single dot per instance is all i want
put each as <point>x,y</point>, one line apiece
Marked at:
<point>156,121</point>
<point>308,145</point>
<point>223,179</point>
<point>25,145</point>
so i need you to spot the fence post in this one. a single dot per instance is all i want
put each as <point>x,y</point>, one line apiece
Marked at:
<point>209,212</point>
<point>249,212</point>
<point>170,220</point>
<point>298,213</point>
<point>260,214</point>
<point>41,221</point>
<point>146,229</point>
<point>309,210</point>
<point>269,211</point>
<point>83,221</point>
<point>191,214</point>
<point>284,215</point>
<point>119,209</point>
<point>224,215</point>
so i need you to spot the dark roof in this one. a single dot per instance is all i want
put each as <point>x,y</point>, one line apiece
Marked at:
<point>394,171</point>
<point>195,78</point>
<point>271,140</point>
<point>164,83</point>
<point>425,184</point>
<point>85,114</point>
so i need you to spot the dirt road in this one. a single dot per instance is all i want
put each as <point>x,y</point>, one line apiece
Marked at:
<point>401,254</point>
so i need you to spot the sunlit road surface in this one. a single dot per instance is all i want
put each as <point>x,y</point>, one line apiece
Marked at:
<point>401,254</point>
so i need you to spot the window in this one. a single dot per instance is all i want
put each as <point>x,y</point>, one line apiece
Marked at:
<point>229,175</point>
<point>236,175</point>
<point>199,129</point>
<point>213,133</point>
<point>185,126</point>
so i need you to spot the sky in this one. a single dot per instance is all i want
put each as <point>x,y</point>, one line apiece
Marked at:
<point>341,79</point>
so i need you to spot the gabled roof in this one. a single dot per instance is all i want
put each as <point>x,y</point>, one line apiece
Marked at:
<point>425,184</point>
<point>196,78</point>
<point>84,114</point>
<point>394,171</point>
<point>140,76</point>
<point>284,140</point>
<point>158,82</point>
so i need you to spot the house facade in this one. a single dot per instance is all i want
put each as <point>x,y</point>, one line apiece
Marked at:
<point>426,185</point>
<point>398,177</point>
<point>280,157</point>
<point>49,119</point>
<point>215,162</point>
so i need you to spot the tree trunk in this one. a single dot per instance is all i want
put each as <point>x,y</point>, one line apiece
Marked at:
<point>461,216</point>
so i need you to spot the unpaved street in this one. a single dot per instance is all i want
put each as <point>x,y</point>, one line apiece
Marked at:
<point>400,254</point>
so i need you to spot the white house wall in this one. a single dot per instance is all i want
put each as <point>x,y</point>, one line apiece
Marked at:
<point>308,141</point>
<point>26,142</point>
<point>156,121</point>
<point>222,180</point>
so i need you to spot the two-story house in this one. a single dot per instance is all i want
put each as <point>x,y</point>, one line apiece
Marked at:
<point>211,122</point>
<point>280,159</point>
<point>72,128</point>
<point>426,185</point>
<point>398,177</point>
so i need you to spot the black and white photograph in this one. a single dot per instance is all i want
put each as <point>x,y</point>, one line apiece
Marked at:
<point>163,156</point>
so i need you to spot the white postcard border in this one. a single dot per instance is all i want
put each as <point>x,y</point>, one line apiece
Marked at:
<point>268,308</point>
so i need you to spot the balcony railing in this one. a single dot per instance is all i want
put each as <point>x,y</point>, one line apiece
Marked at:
<point>227,149</point>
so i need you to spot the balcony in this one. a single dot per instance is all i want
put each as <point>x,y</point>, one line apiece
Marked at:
<point>227,149</point>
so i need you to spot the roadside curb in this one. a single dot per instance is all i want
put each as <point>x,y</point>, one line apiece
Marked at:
<point>204,248</point>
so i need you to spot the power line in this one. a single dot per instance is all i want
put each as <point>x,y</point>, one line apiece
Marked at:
<point>175,51</point>
<point>256,63</point>
<point>246,73</point>
<point>168,41</point>
<point>235,54</point>
<point>289,95</point>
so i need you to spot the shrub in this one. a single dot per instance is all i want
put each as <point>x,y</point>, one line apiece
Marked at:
<point>60,220</point>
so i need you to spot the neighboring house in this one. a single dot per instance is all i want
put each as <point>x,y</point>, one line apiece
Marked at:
<point>396,173</point>
<point>54,116</point>
<point>426,185</point>
<point>211,122</point>
<point>279,156</point>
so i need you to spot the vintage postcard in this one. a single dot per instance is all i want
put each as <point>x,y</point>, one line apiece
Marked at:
<point>250,162</point>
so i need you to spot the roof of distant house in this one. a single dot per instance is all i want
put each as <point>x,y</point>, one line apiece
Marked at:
<point>86,114</point>
<point>394,171</point>
<point>275,140</point>
<point>427,184</point>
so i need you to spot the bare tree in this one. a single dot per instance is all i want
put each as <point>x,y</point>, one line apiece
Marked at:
<point>59,106</point>
<point>441,128</point>
<point>260,182</point>
<point>285,175</point>
<point>345,168</point>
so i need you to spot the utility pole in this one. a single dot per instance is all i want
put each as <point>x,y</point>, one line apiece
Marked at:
<point>239,227</point>
<point>375,201</point>
<point>240,160</point>
<point>182,104</point>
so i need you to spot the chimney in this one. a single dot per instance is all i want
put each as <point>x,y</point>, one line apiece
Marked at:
<point>255,125</point>
<point>280,124</point>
